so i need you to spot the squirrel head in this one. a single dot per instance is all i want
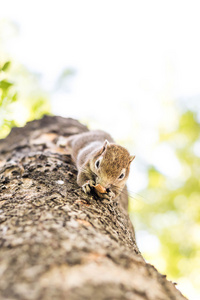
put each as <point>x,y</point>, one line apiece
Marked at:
<point>111,165</point>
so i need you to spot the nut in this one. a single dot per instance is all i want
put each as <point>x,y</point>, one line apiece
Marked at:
<point>99,188</point>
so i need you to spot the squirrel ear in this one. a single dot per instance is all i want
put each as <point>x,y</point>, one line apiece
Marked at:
<point>105,145</point>
<point>131,158</point>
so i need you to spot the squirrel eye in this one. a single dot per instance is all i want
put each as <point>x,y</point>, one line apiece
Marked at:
<point>121,176</point>
<point>97,163</point>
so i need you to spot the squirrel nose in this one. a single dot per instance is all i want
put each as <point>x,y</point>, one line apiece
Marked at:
<point>101,182</point>
<point>105,185</point>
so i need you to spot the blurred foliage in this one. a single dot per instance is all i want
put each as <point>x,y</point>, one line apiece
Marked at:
<point>172,211</point>
<point>20,101</point>
<point>21,98</point>
<point>7,97</point>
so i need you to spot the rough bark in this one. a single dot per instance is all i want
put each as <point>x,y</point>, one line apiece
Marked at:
<point>55,241</point>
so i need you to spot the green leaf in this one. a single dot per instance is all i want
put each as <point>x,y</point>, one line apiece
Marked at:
<point>14,97</point>
<point>6,66</point>
<point>4,84</point>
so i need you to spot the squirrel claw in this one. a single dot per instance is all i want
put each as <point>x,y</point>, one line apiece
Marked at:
<point>86,187</point>
<point>109,196</point>
<point>106,197</point>
<point>106,200</point>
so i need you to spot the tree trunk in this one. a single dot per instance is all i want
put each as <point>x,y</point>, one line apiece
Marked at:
<point>57,242</point>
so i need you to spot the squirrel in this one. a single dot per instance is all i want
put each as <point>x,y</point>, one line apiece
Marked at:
<point>102,164</point>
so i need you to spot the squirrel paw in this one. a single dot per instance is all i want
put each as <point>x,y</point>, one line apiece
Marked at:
<point>107,197</point>
<point>86,187</point>
<point>111,194</point>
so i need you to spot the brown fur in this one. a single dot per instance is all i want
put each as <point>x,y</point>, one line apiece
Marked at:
<point>87,148</point>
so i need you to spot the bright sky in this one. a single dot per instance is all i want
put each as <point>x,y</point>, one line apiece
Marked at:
<point>132,60</point>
